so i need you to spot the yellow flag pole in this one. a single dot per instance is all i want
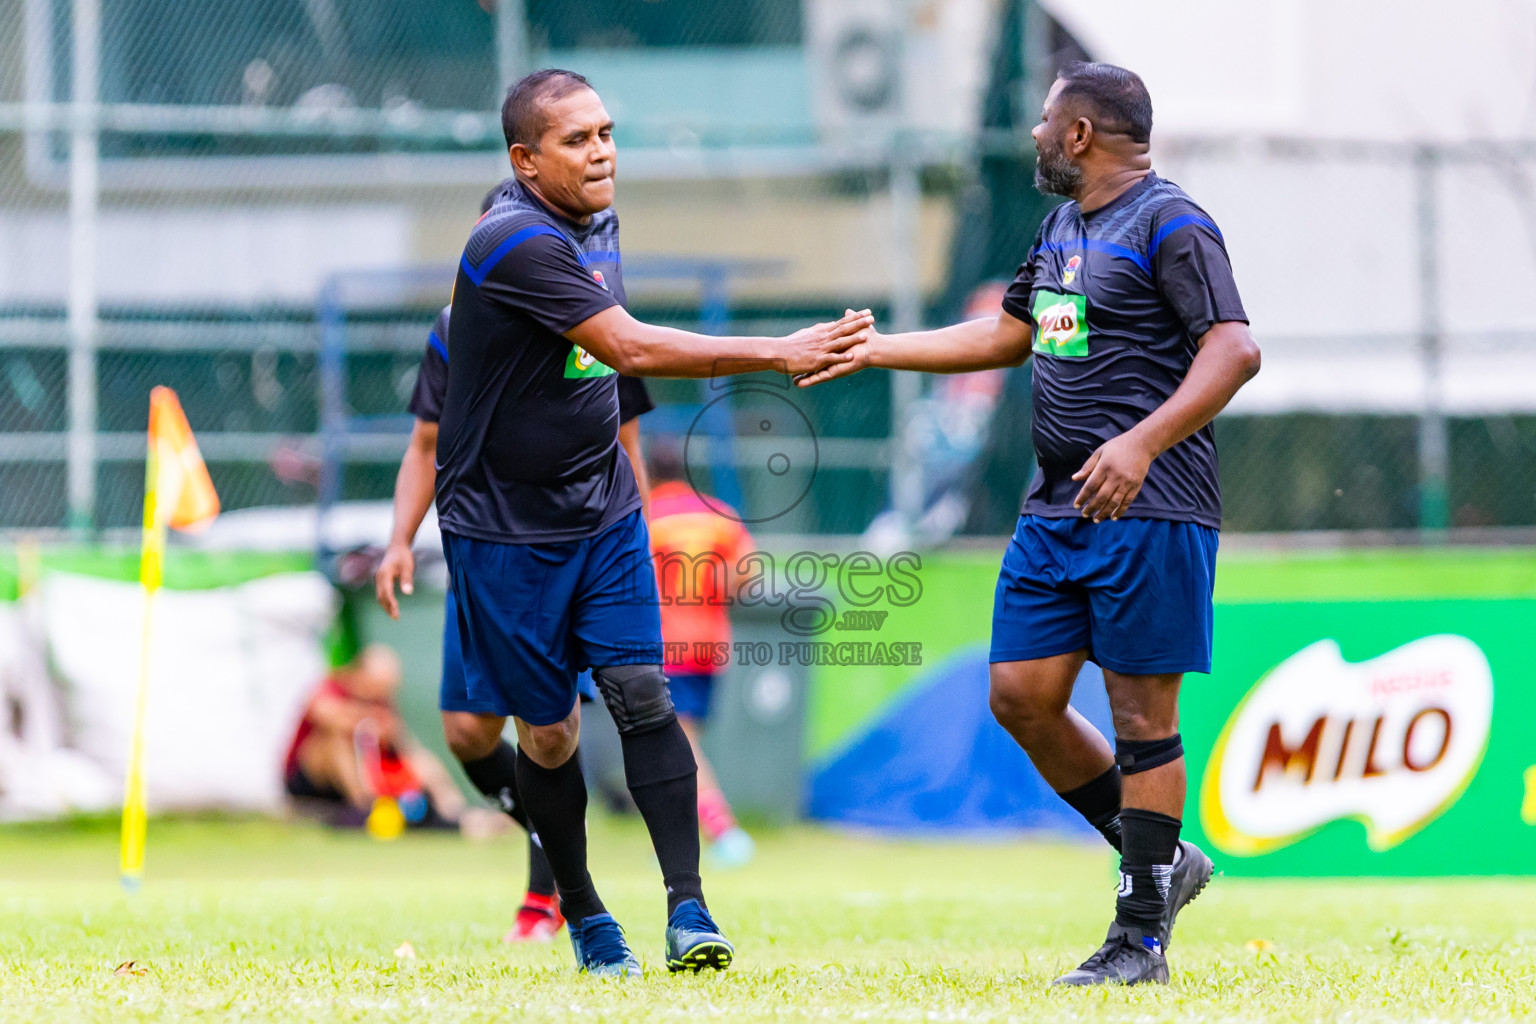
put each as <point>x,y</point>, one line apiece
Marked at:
<point>151,570</point>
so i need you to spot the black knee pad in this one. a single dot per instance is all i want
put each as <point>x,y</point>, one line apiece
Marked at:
<point>1143,755</point>
<point>637,697</point>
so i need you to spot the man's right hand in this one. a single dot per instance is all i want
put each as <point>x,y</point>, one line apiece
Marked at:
<point>815,348</point>
<point>398,565</point>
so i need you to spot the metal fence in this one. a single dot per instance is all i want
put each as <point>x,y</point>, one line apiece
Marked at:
<point>182,182</point>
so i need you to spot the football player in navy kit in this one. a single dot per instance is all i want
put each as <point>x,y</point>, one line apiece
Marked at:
<point>1128,305</point>
<point>548,555</point>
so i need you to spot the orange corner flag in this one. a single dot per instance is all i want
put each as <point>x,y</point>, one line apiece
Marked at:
<point>184,495</point>
<point>177,493</point>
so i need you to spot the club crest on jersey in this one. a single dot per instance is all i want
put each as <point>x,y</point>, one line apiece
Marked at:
<point>1070,274</point>
<point>597,275</point>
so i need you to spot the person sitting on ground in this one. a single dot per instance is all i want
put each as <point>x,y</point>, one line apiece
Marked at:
<point>351,748</point>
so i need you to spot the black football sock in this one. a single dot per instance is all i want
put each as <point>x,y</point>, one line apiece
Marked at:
<point>663,779</point>
<point>556,802</point>
<point>1149,842</point>
<point>541,877</point>
<point>495,775</point>
<point>1099,802</point>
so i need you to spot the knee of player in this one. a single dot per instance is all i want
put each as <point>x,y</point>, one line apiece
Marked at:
<point>467,737</point>
<point>550,745</point>
<point>1015,704</point>
<point>1138,722</point>
<point>636,696</point>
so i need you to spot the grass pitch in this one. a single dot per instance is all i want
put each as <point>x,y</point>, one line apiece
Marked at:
<point>260,921</point>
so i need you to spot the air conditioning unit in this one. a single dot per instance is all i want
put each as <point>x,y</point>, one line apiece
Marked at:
<point>855,51</point>
<point>879,64</point>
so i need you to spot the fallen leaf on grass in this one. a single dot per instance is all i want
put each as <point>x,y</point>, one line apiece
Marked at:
<point>131,967</point>
<point>405,952</point>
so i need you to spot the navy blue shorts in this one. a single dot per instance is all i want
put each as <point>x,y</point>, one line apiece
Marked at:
<point>528,617</point>
<point>691,694</point>
<point>1136,593</point>
<point>453,692</point>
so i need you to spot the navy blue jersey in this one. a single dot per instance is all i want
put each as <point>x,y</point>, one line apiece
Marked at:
<point>1119,298</point>
<point>432,381</point>
<point>527,448</point>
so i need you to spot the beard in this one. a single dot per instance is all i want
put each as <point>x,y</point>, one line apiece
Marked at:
<point>1054,173</point>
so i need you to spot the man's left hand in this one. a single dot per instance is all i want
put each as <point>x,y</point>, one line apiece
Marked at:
<point>1113,475</point>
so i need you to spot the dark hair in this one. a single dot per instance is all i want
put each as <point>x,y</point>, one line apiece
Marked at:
<point>1117,98</point>
<point>523,120</point>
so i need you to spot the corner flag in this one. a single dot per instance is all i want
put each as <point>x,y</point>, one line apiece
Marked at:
<point>177,493</point>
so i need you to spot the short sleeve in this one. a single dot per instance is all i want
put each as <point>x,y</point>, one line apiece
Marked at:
<point>541,277</point>
<point>634,399</point>
<point>1019,299</point>
<point>1191,268</point>
<point>432,379</point>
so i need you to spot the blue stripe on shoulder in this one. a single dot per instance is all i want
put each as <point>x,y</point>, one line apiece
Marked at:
<point>437,343</point>
<point>1174,225</point>
<point>1125,252</point>
<point>611,256</point>
<point>477,272</point>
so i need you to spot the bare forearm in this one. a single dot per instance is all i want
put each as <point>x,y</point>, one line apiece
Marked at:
<point>651,351</point>
<point>413,494</point>
<point>974,345</point>
<point>645,350</point>
<point>1228,359</point>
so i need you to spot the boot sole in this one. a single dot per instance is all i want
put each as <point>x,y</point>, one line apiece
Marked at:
<point>717,956</point>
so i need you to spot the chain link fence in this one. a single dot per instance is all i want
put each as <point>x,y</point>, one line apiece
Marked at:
<point>226,164</point>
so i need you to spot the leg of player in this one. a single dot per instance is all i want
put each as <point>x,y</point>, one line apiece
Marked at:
<point>663,779</point>
<point>1159,873</point>
<point>1150,754</point>
<point>490,763</point>
<point>555,796</point>
<point>1030,700</point>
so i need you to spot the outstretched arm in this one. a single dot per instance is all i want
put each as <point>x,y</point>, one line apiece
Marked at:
<point>643,350</point>
<point>983,344</point>
<point>413,496</point>
<point>1228,359</point>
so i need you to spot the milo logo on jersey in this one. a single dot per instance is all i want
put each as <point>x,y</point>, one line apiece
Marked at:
<point>581,363</point>
<point>1061,324</point>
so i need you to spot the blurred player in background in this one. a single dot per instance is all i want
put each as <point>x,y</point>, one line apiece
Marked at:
<point>1139,337</point>
<point>548,553</point>
<point>539,918</point>
<point>697,546</point>
<point>350,749</point>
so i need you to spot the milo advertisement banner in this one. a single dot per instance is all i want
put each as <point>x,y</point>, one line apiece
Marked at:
<point>1362,734</point>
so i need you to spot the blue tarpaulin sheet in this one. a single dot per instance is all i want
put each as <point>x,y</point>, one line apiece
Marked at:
<point>936,759</point>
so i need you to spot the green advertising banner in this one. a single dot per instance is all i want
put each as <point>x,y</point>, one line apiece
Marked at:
<point>1366,737</point>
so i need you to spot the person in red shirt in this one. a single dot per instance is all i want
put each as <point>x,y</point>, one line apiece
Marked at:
<point>351,748</point>
<point>696,545</point>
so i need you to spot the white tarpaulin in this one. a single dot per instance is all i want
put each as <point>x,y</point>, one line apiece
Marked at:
<point>230,669</point>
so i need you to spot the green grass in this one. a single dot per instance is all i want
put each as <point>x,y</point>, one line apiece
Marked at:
<point>259,921</point>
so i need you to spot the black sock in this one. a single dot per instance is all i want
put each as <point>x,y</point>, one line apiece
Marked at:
<point>541,877</point>
<point>663,779</point>
<point>1150,842</point>
<point>1099,802</point>
<point>495,775</point>
<point>556,802</point>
